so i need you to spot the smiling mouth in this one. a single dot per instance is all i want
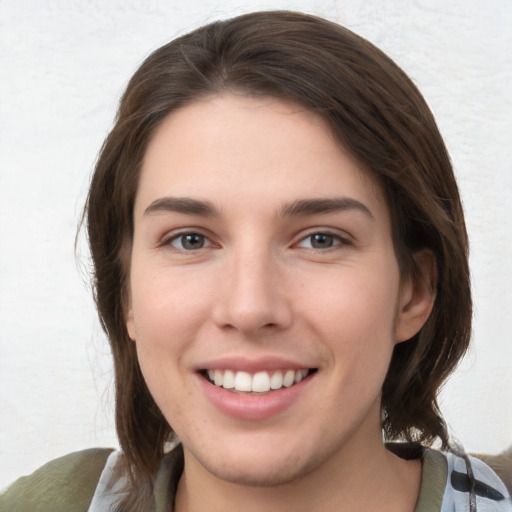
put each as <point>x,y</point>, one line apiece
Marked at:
<point>259,382</point>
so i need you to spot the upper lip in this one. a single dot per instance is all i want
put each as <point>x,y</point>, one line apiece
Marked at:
<point>252,365</point>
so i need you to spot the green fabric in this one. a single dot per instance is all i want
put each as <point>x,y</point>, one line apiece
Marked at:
<point>66,484</point>
<point>433,482</point>
<point>167,478</point>
<point>433,477</point>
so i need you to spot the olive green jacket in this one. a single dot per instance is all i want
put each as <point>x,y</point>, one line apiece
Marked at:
<point>66,484</point>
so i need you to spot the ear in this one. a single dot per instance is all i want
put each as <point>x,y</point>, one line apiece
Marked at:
<point>417,296</point>
<point>130,324</point>
<point>128,317</point>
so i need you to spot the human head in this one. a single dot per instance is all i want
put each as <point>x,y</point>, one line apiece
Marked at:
<point>376,114</point>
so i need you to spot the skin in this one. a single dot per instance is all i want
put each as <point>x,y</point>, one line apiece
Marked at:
<point>256,284</point>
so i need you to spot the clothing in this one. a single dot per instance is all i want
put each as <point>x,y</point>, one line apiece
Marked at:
<point>446,486</point>
<point>66,484</point>
<point>85,482</point>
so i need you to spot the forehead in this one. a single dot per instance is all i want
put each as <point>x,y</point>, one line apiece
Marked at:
<point>241,149</point>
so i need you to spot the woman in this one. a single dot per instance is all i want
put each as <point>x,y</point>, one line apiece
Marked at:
<point>281,268</point>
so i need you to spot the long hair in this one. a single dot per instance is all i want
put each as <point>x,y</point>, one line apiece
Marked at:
<point>375,112</point>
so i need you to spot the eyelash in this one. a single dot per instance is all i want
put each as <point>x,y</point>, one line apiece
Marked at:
<point>336,239</point>
<point>182,236</point>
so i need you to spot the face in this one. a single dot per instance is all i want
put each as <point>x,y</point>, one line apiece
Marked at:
<point>265,294</point>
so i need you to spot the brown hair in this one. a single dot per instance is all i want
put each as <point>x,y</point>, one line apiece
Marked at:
<point>375,112</point>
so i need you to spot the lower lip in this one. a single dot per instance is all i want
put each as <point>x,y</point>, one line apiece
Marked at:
<point>253,407</point>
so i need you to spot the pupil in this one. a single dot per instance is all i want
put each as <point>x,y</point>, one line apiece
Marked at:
<point>321,241</point>
<point>192,241</point>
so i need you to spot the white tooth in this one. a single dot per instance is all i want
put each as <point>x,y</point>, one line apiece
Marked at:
<point>261,382</point>
<point>276,381</point>
<point>305,373</point>
<point>211,374</point>
<point>217,378</point>
<point>298,376</point>
<point>289,378</point>
<point>243,381</point>
<point>229,380</point>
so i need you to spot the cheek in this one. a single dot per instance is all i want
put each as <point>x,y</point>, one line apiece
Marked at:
<point>167,315</point>
<point>167,307</point>
<point>362,304</point>
<point>356,319</point>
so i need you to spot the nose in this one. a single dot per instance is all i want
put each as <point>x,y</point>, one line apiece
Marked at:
<point>252,295</point>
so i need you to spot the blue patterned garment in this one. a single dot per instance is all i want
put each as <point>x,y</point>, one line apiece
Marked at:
<point>489,494</point>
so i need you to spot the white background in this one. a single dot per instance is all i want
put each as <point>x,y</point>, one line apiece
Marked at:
<point>63,66</point>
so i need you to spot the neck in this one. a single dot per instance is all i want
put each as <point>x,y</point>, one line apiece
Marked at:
<point>359,477</point>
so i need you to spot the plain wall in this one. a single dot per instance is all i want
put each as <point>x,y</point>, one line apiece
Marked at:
<point>63,66</point>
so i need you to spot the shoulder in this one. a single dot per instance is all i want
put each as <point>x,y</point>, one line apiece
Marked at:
<point>488,493</point>
<point>501,465</point>
<point>63,485</point>
<point>456,483</point>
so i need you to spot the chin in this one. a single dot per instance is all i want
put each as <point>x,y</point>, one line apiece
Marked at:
<point>261,467</point>
<point>270,474</point>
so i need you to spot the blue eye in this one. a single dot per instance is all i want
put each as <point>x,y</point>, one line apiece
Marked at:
<point>190,242</point>
<point>320,241</point>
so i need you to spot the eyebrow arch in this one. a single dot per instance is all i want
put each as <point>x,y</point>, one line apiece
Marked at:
<point>185,205</point>
<point>324,205</point>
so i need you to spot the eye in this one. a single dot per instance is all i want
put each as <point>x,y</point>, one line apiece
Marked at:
<point>189,241</point>
<point>321,241</point>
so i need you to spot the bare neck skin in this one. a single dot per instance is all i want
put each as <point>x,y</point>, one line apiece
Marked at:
<point>361,476</point>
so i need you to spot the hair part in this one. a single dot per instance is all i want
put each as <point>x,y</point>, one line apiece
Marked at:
<point>375,112</point>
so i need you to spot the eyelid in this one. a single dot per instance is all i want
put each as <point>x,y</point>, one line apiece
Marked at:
<point>342,237</point>
<point>168,238</point>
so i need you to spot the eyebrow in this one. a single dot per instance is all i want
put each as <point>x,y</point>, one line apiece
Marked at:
<point>301,207</point>
<point>324,205</point>
<point>185,205</point>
